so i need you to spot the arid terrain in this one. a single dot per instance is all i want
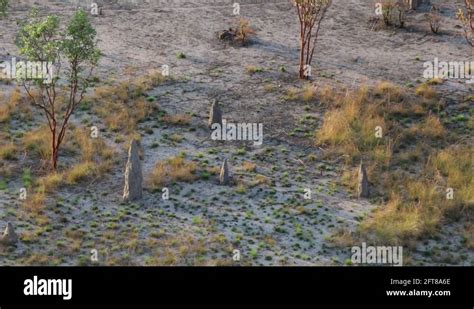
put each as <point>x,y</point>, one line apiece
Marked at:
<point>264,213</point>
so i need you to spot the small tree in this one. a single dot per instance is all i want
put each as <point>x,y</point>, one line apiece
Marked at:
<point>467,19</point>
<point>40,40</point>
<point>310,14</point>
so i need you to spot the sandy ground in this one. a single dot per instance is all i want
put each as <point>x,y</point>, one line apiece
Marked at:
<point>268,219</point>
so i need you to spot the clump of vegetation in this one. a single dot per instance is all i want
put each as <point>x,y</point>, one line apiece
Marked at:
<point>175,169</point>
<point>8,152</point>
<point>434,18</point>
<point>38,142</point>
<point>410,129</point>
<point>179,119</point>
<point>243,32</point>
<point>80,172</point>
<point>41,40</point>
<point>309,93</point>
<point>467,19</point>
<point>11,105</point>
<point>3,7</point>
<point>51,181</point>
<point>124,105</point>
<point>390,13</point>
<point>251,69</point>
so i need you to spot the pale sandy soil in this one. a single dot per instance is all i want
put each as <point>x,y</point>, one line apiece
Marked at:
<point>268,219</point>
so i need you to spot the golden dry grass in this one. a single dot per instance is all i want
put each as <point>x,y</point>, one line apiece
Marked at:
<point>308,93</point>
<point>38,142</point>
<point>249,166</point>
<point>180,119</point>
<point>425,91</point>
<point>8,151</point>
<point>8,107</point>
<point>80,172</point>
<point>122,106</point>
<point>417,204</point>
<point>51,181</point>
<point>35,202</point>
<point>174,169</point>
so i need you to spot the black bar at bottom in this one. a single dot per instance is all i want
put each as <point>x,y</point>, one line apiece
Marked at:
<point>242,285</point>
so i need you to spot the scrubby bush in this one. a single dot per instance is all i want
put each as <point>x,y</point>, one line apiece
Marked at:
<point>394,12</point>
<point>243,31</point>
<point>467,19</point>
<point>434,18</point>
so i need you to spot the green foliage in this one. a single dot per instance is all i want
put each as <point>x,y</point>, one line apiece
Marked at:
<point>3,7</point>
<point>40,39</point>
<point>37,38</point>
<point>79,44</point>
<point>26,177</point>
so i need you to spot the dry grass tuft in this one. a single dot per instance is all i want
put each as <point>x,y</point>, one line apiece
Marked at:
<point>80,172</point>
<point>8,152</point>
<point>175,169</point>
<point>180,119</point>
<point>38,142</point>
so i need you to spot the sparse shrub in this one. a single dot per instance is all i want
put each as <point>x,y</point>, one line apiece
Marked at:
<point>243,31</point>
<point>434,18</point>
<point>467,20</point>
<point>311,13</point>
<point>388,6</point>
<point>394,12</point>
<point>401,10</point>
